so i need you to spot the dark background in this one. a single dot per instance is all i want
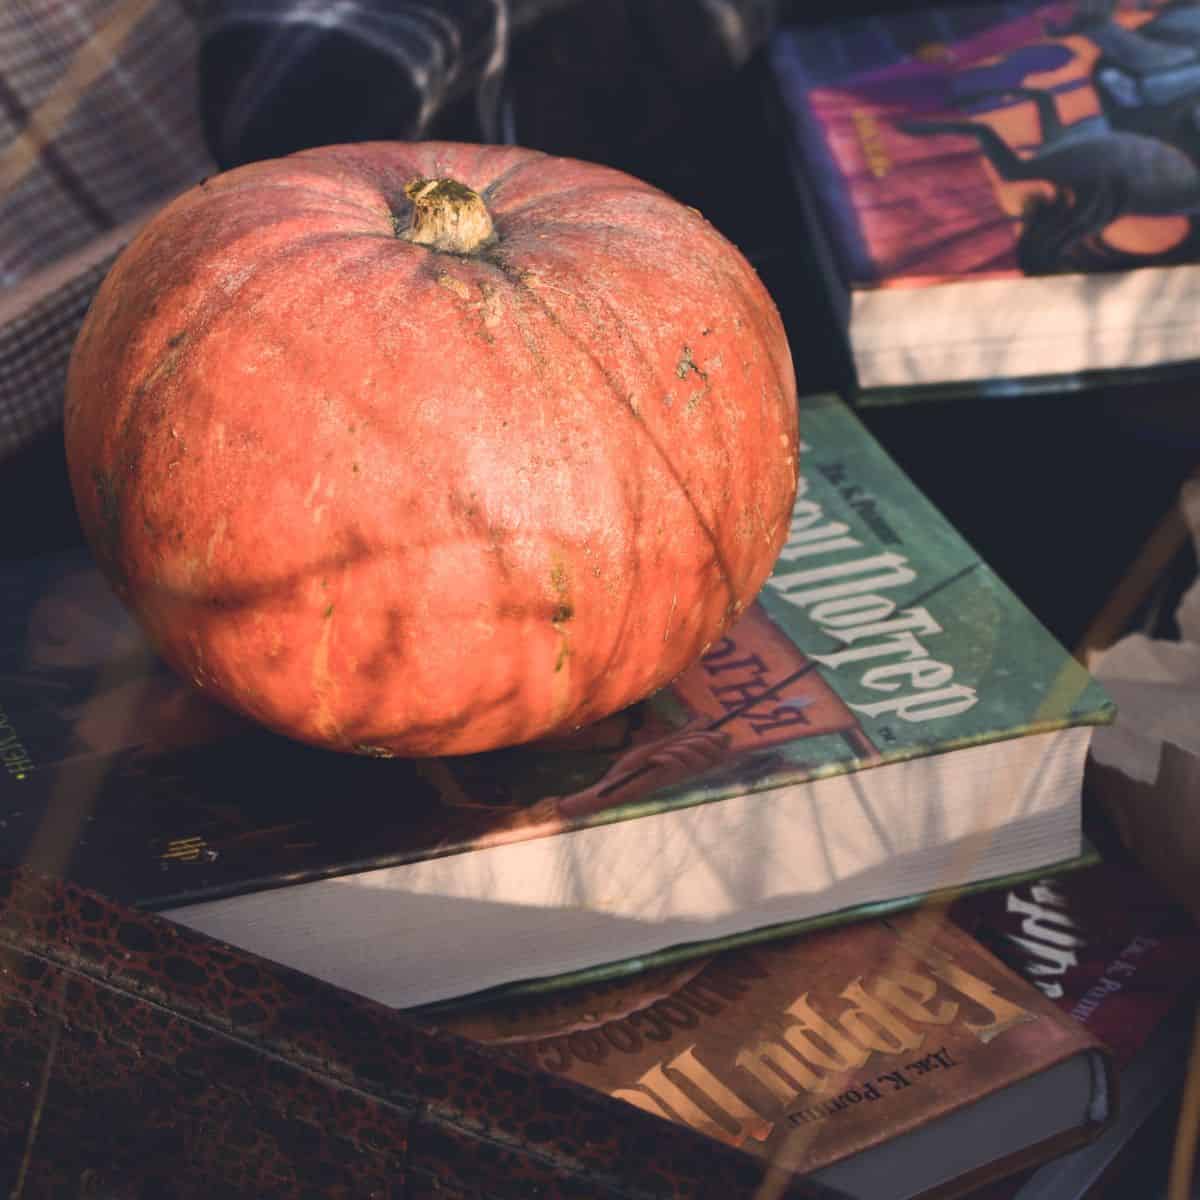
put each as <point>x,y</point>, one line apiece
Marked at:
<point>1057,492</point>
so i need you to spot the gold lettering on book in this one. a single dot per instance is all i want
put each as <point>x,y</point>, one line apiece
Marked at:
<point>1003,1014</point>
<point>909,994</point>
<point>726,1116</point>
<point>780,1070</point>
<point>881,643</point>
<point>870,139</point>
<point>873,1024</point>
<point>809,1065</point>
<point>16,759</point>
<point>821,1042</point>
<point>186,849</point>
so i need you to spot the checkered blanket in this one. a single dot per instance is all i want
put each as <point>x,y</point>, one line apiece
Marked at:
<point>98,124</point>
<point>108,107</point>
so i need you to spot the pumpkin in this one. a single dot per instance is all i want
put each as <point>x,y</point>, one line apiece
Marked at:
<point>431,448</point>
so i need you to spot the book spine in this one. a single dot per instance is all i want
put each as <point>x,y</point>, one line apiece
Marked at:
<point>826,202</point>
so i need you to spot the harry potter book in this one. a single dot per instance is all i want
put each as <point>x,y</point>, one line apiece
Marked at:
<point>887,720</point>
<point>1115,953</point>
<point>892,1059</point>
<point>1004,194</point>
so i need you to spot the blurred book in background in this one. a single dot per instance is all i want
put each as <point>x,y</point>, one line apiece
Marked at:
<point>1004,195</point>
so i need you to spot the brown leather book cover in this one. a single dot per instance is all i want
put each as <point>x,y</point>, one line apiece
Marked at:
<point>809,1051</point>
<point>139,1059</point>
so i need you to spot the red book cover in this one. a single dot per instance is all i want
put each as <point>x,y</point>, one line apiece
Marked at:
<point>1105,944</point>
<point>1111,949</point>
<point>822,1053</point>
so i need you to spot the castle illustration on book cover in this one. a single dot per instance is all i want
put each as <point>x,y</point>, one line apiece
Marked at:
<point>1007,139</point>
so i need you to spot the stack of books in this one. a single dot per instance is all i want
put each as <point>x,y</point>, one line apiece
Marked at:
<point>818,919</point>
<point>725,907</point>
<point>930,1054</point>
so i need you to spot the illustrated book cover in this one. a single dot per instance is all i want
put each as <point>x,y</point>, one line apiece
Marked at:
<point>1006,194</point>
<point>886,721</point>
<point>1113,951</point>
<point>892,1058</point>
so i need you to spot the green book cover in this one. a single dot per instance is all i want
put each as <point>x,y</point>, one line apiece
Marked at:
<point>880,638</point>
<point>881,635</point>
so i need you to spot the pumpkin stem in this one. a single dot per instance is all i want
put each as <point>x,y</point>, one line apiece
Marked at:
<point>447,215</point>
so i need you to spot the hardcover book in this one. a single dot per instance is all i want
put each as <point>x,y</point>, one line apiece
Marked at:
<point>1115,953</point>
<point>1106,944</point>
<point>1004,194</point>
<point>892,1059</point>
<point>886,721</point>
<point>142,1059</point>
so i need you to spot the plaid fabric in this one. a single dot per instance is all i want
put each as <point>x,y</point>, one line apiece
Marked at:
<point>98,123</point>
<point>282,75</point>
<point>98,119</point>
<point>36,335</point>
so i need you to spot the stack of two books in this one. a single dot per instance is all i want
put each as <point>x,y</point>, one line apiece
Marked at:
<point>977,1051</point>
<point>886,724</point>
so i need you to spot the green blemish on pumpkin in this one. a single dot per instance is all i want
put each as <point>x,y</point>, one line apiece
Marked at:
<point>687,364</point>
<point>372,751</point>
<point>106,493</point>
<point>328,611</point>
<point>563,611</point>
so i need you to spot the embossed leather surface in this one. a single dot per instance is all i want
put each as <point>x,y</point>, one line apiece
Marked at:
<point>139,1059</point>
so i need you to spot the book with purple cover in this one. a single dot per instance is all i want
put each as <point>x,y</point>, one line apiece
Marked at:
<point>1008,191</point>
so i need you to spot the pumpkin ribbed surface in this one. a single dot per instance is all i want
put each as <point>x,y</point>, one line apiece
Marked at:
<point>389,497</point>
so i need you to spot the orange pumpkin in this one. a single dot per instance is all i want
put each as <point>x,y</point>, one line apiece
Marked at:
<point>431,448</point>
